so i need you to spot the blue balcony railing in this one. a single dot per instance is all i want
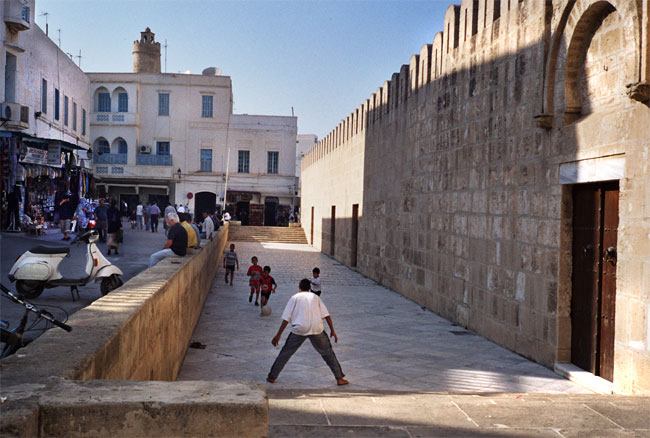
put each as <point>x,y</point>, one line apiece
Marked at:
<point>153,160</point>
<point>110,159</point>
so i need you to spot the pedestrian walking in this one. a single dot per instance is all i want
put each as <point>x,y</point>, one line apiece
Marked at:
<point>66,211</point>
<point>114,228</point>
<point>315,281</point>
<point>230,261</point>
<point>254,272</point>
<point>139,216</point>
<point>305,312</point>
<point>101,220</point>
<point>208,225</point>
<point>154,212</point>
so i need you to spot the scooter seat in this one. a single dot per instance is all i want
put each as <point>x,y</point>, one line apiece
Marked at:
<point>49,250</point>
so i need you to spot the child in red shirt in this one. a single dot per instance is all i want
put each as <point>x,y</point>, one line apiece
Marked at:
<point>267,285</point>
<point>254,272</point>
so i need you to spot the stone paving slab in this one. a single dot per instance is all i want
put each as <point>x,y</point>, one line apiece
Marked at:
<point>386,342</point>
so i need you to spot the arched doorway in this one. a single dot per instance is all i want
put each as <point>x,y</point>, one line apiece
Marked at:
<point>271,211</point>
<point>204,201</point>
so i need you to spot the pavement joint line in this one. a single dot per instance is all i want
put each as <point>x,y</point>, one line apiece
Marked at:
<point>558,432</point>
<point>465,413</point>
<point>327,418</point>
<point>605,417</point>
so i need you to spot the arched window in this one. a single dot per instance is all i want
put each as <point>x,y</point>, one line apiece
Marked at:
<point>120,146</point>
<point>102,100</point>
<point>101,146</point>
<point>122,98</point>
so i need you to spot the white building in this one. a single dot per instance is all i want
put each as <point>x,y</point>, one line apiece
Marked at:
<point>44,112</point>
<point>304,143</point>
<point>172,137</point>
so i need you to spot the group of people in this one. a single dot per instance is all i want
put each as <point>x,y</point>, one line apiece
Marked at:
<point>305,311</point>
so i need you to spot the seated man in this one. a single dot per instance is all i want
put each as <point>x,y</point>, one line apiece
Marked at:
<point>176,240</point>
<point>192,240</point>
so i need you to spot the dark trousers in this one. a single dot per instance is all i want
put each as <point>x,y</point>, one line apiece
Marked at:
<point>154,223</point>
<point>320,342</point>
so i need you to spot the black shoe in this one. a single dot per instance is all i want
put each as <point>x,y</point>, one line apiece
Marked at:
<point>256,303</point>
<point>250,299</point>
<point>117,253</point>
<point>109,252</point>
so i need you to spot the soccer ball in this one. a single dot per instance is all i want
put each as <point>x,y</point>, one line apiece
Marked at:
<point>266,310</point>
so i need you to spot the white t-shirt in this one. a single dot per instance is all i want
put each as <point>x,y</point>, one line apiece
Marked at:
<point>138,210</point>
<point>305,312</point>
<point>181,209</point>
<point>226,216</point>
<point>315,284</point>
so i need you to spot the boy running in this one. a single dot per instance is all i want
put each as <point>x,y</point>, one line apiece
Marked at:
<point>267,285</point>
<point>254,272</point>
<point>230,261</point>
<point>315,282</point>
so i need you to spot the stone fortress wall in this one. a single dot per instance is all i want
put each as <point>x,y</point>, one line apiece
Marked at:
<point>455,164</point>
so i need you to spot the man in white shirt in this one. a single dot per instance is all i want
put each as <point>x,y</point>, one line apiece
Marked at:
<point>139,215</point>
<point>208,225</point>
<point>226,217</point>
<point>305,312</point>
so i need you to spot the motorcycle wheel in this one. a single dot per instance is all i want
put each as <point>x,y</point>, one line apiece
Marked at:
<point>110,284</point>
<point>29,289</point>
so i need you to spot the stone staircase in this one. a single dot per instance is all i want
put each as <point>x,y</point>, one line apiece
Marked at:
<point>239,233</point>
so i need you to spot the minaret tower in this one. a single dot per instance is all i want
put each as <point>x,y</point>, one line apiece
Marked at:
<point>146,53</point>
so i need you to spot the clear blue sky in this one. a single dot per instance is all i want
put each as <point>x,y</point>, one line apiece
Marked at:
<point>321,57</point>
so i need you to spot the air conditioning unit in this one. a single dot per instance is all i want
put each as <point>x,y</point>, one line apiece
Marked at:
<point>144,149</point>
<point>14,115</point>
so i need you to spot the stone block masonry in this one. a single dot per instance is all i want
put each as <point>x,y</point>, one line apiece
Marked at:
<point>457,167</point>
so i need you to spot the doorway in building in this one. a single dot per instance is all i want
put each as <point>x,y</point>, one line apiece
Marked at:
<point>354,235</point>
<point>271,211</point>
<point>242,212</point>
<point>204,202</point>
<point>593,298</point>
<point>333,231</point>
<point>128,203</point>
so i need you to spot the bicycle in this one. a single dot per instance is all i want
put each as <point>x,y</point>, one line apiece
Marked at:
<point>13,340</point>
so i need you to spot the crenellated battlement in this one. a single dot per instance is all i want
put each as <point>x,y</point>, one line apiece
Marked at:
<point>472,31</point>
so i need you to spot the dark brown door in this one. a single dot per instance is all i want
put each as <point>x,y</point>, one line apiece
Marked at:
<point>311,228</point>
<point>354,235</point>
<point>595,225</point>
<point>333,231</point>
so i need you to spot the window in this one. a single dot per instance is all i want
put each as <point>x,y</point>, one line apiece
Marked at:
<point>162,148</point>
<point>44,96</point>
<point>74,116</point>
<point>122,147</point>
<point>56,104</point>
<point>102,146</point>
<point>83,121</point>
<point>272,163</point>
<point>163,104</point>
<point>206,160</point>
<point>65,110</point>
<point>103,103</point>
<point>206,107</point>
<point>243,164</point>
<point>122,103</point>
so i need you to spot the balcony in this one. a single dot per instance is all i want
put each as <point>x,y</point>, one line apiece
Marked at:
<point>17,16</point>
<point>153,160</point>
<point>110,159</point>
<point>120,119</point>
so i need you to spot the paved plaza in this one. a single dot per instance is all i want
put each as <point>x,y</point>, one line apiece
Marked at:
<point>386,342</point>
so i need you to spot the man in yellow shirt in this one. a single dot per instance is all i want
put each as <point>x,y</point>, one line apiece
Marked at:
<point>192,241</point>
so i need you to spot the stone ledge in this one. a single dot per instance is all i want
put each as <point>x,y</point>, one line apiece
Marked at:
<point>142,409</point>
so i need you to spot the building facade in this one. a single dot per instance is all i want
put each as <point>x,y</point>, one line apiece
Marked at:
<point>44,125</point>
<point>166,137</point>
<point>501,178</point>
<point>304,143</point>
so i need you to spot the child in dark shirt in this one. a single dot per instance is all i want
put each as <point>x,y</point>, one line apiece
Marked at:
<point>267,285</point>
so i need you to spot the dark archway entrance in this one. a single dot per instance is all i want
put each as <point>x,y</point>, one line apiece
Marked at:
<point>204,201</point>
<point>271,211</point>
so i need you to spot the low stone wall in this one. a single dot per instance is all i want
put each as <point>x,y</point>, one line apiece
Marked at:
<point>139,332</point>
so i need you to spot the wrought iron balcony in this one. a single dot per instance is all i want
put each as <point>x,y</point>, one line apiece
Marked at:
<point>153,160</point>
<point>110,159</point>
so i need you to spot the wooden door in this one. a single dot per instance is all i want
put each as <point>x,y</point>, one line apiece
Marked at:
<point>333,231</point>
<point>595,225</point>
<point>354,235</point>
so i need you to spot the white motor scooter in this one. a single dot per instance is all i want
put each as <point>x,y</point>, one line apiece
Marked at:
<point>38,269</point>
